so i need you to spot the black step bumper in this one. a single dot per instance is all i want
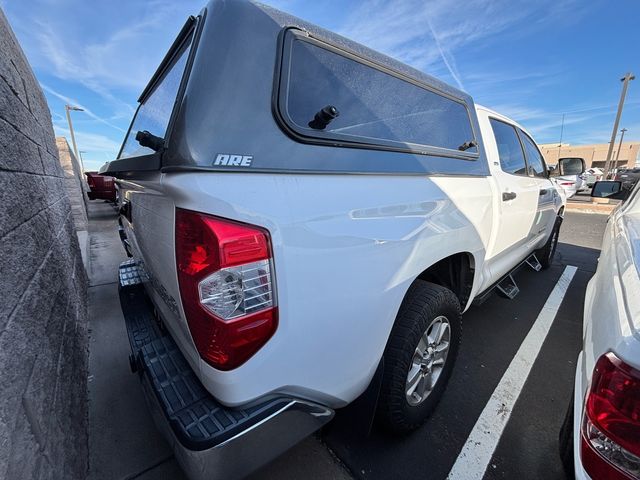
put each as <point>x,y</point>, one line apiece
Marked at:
<point>209,440</point>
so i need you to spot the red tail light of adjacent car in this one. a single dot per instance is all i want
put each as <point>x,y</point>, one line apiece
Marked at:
<point>610,444</point>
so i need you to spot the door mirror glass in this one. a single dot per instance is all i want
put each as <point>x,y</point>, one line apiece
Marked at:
<point>609,189</point>
<point>571,166</point>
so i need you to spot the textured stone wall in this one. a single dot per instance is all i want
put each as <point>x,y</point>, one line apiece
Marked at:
<point>74,183</point>
<point>43,312</point>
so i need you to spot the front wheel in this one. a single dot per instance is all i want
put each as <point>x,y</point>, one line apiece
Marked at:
<point>419,356</point>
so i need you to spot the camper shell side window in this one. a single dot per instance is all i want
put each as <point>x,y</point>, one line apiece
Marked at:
<point>328,95</point>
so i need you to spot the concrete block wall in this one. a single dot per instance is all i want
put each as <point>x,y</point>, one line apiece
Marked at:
<point>74,183</point>
<point>43,312</point>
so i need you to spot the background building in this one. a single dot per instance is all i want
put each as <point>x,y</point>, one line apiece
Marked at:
<point>594,155</point>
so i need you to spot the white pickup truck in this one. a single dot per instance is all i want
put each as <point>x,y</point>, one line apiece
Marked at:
<point>309,220</point>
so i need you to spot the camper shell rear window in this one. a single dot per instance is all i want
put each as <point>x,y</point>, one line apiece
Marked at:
<point>328,95</point>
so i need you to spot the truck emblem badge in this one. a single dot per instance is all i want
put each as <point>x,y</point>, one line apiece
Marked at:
<point>228,160</point>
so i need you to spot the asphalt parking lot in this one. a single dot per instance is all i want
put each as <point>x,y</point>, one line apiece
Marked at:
<point>124,443</point>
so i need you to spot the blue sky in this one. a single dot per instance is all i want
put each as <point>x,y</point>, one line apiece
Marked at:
<point>531,60</point>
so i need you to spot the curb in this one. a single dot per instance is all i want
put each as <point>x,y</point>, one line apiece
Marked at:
<point>83,241</point>
<point>590,207</point>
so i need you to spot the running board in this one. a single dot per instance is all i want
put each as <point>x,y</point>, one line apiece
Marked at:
<point>533,262</point>
<point>508,287</point>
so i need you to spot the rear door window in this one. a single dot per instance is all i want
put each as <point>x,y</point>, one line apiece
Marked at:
<point>373,106</point>
<point>155,111</point>
<point>535,162</point>
<point>509,148</point>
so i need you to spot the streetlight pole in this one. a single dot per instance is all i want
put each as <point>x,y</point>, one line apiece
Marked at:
<point>68,108</point>
<point>619,147</point>
<point>626,79</point>
<point>560,144</point>
<point>82,159</point>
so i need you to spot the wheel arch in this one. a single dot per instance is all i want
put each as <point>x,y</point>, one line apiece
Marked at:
<point>561,211</point>
<point>455,272</point>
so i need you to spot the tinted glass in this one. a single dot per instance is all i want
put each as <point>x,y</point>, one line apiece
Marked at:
<point>535,161</point>
<point>606,189</point>
<point>374,107</point>
<point>509,148</point>
<point>571,166</point>
<point>153,115</point>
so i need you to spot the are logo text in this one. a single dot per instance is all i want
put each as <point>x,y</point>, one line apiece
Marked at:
<point>229,160</point>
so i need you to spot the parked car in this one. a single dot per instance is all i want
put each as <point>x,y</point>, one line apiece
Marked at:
<point>628,176</point>
<point>569,174</point>
<point>310,219</point>
<point>599,438</point>
<point>101,187</point>
<point>593,175</point>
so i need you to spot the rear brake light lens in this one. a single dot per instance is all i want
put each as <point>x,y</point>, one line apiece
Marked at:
<point>226,282</point>
<point>567,184</point>
<point>611,426</point>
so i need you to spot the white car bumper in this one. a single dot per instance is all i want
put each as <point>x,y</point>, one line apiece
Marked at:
<point>578,400</point>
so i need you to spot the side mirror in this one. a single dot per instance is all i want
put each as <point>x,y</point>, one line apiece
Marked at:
<point>571,166</point>
<point>609,189</point>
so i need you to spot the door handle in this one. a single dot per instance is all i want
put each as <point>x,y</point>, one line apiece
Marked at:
<point>544,191</point>
<point>506,196</point>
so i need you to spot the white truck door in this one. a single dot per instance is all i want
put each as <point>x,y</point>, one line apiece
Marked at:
<point>546,214</point>
<point>517,197</point>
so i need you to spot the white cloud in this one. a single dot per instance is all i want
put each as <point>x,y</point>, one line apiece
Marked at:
<point>87,111</point>
<point>425,33</point>
<point>107,55</point>
<point>93,143</point>
<point>583,124</point>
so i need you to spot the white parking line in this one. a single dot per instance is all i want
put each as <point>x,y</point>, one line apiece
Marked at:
<point>476,454</point>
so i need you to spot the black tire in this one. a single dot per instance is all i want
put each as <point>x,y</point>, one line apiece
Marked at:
<point>423,305</point>
<point>546,254</point>
<point>565,442</point>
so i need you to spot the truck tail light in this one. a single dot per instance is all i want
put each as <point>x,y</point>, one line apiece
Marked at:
<point>567,184</point>
<point>225,273</point>
<point>610,444</point>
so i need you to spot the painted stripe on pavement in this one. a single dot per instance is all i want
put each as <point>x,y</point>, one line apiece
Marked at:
<point>474,458</point>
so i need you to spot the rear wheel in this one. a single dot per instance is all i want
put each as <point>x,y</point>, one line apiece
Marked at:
<point>419,356</point>
<point>546,254</point>
<point>565,442</point>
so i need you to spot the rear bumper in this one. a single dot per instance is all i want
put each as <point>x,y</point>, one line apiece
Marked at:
<point>578,397</point>
<point>210,441</point>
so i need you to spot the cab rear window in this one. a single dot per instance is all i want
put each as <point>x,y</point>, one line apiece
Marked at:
<point>333,95</point>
